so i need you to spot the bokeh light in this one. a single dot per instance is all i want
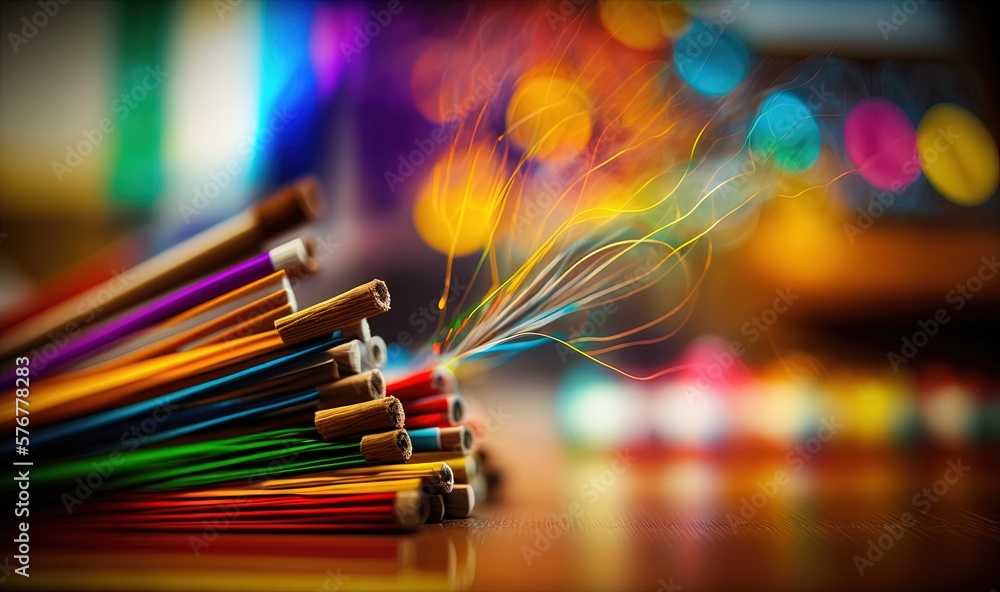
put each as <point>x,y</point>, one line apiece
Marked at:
<point>713,62</point>
<point>958,154</point>
<point>448,83</point>
<point>882,144</point>
<point>452,211</point>
<point>785,133</point>
<point>549,116</point>
<point>874,411</point>
<point>779,411</point>
<point>595,412</point>
<point>685,415</point>
<point>641,24</point>
<point>948,412</point>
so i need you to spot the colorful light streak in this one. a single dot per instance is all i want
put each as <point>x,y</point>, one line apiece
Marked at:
<point>593,175</point>
<point>618,227</point>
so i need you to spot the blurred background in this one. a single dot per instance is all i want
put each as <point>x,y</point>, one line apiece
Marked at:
<point>834,371</point>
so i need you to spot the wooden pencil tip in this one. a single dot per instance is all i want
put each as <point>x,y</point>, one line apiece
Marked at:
<point>395,409</point>
<point>359,419</point>
<point>387,447</point>
<point>380,294</point>
<point>376,383</point>
<point>351,390</point>
<point>404,444</point>
<point>328,372</point>
<point>335,314</point>
<point>308,197</point>
<point>447,478</point>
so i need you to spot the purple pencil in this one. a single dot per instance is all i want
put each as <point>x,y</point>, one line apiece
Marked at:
<point>285,256</point>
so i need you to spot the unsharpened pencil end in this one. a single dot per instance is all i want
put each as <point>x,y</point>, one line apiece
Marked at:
<point>290,206</point>
<point>290,255</point>
<point>370,417</point>
<point>337,313</point>
<point>348,356</point>
<point>460,502</point>
<point>360,331</point>
<point>456,439</point>
<point>387,447</point>
<point>447,478</point>
<point>350,390</point>
<point>376,352</point>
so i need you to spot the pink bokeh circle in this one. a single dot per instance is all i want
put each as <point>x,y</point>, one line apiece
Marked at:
<point>882,143</point>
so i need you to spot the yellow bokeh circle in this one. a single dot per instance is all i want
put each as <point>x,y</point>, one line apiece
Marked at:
<point>641,24</point>
<point>454,207</point>
<point>958,154</point>
<point>549,117</point>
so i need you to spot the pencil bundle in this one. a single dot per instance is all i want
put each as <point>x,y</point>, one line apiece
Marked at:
<point>435,422</point>
<point>203,385</point>
<point>197,370</point>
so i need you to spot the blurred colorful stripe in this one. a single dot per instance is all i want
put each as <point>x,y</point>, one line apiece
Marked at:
<point>157,109</point>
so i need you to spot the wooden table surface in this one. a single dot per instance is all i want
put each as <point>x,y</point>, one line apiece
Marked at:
<point>662,523</point>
